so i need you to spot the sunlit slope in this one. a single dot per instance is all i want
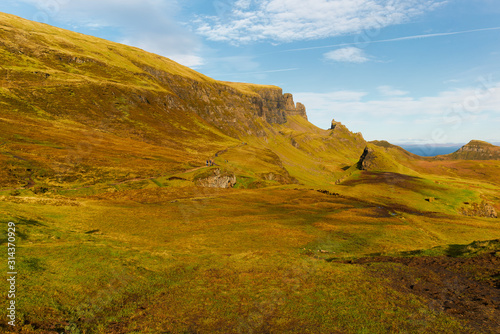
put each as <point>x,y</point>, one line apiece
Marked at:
<point>80,109</point>
<point>216,260</point>
<point>475,150</point>
<point>82,114</point>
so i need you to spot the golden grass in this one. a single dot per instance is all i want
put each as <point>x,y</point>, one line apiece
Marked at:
<point>232,265</point>
<point>114,237</point>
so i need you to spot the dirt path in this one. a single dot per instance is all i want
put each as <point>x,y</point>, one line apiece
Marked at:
<point>31,182</point>
<point>194,169</point>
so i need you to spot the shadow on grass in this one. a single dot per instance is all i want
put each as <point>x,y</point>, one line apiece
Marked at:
<point>475,248</point>
<point>20,232</point>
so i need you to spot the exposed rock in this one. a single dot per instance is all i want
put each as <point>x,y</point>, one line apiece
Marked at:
<point>289,104</point>
<point>269,104</point>
<point>482,209</point>
<point>340,131</point>
<point>218,179</point>
<point>337,126</point>
<point>366,161</point>
<point>293,109</point>
<point>300,109</point>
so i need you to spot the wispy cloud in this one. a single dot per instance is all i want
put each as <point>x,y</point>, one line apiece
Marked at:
<point>389,91</point>
<point>294,20</point>
<point>396,105</point>
<point>257,72</point>
<point>147,24</point>
<point>398,39</point>
<point>347,55</point>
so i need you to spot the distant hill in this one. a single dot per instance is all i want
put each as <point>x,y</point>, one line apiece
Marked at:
<point>475,150</point>
<point>381,155</point>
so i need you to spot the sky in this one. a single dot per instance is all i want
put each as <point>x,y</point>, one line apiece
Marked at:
<point>406,71</point>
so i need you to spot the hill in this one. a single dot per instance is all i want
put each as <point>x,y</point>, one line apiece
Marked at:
<point>149,198</point>
<point>475,150</point>
<point>75,106</point>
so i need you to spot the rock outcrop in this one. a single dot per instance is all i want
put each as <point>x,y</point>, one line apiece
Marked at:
<point>274,106</point>
<point>341,132</point>
<point>367,159</point>
<point>482,209</point>
<point>228,107</point>
<point>217,179</point>
<point>271,105</point>
<point>293,109</point>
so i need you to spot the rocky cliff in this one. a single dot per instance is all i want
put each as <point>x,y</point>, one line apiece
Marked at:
<point>294,109</point>
<point>93,78</point>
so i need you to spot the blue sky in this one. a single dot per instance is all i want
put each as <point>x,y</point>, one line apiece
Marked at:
<point>407,71</point>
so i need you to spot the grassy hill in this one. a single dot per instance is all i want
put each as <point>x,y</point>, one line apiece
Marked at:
<point>123,228</point>
<point>475,150</point>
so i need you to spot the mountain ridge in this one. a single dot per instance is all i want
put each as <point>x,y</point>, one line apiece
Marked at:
<point>87,87</point>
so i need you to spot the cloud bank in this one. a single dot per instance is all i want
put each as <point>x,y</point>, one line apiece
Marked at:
<point>396,112</point>
<point>347,55</point>
<point>293,20</point>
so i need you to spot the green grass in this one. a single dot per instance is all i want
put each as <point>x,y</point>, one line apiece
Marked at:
<point>99,265</point>
<point>122,241</point>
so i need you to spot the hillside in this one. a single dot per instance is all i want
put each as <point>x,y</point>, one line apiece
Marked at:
<point>475,150</point>
<point>91,99</point>
<point>149,198</point>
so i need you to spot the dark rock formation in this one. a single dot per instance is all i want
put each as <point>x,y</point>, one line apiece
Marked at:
<point>366,161</point>
<point>272,105</point>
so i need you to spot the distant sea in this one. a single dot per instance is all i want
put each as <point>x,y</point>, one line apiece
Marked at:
<point>430,150</point>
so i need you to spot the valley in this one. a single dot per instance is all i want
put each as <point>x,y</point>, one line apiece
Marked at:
<point>149,198</point>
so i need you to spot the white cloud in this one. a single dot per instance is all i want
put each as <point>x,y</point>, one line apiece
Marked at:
<point>447,108</point>
<point>347,55</point>
<point>389,91</point>
<point>147,24</point>
<point>293,20</point>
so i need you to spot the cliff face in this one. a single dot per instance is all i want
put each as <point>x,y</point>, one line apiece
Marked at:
<point>293,109</point>
<point>132,89</point>
<point>226,106</point>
